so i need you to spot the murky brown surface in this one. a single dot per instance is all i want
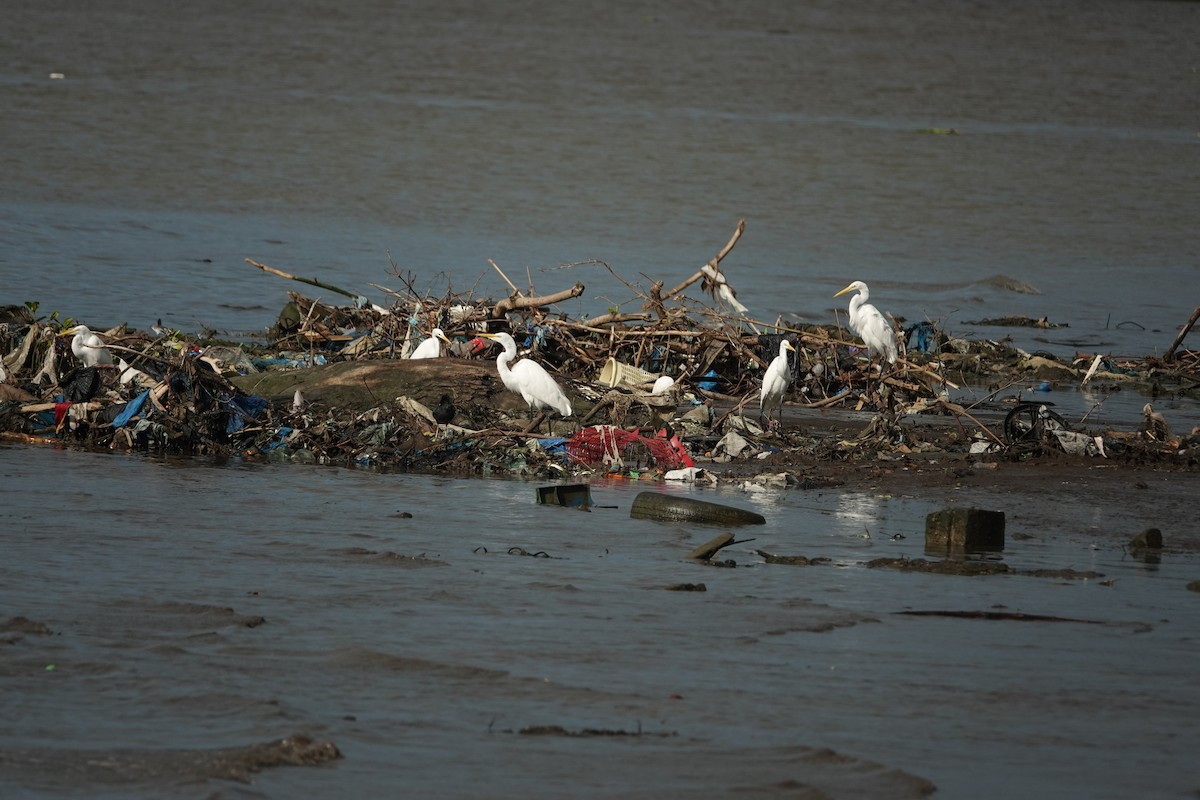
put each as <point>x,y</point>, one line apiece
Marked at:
<point>322,141</point>
<point>194,607</point>
<point>197,610</point>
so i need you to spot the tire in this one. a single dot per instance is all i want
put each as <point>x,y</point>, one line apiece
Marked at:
<point>1027,422</point>
<point>671,508</point>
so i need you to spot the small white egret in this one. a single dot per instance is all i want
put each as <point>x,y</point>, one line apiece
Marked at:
<point>528,379</point>
<point>88,347</point>
<point>775,381</point>
<point>431,347</point>
<point>869,324</point>
<point>663,385</point>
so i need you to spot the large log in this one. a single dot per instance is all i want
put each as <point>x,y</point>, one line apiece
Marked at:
<point>360,385</point>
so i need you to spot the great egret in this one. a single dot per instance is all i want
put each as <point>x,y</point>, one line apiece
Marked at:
<point>88,347</point>
<point>431,347</point>
<point>528,379</point>
<point>775,381</point>
<point>868,323</point>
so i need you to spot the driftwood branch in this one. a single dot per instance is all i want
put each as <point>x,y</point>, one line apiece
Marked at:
<point>733,240</point>
<point>511,285</point>
<point>612,319</point>
<point>309,281</point>
<point>513,303</point>
<point>1170,354</point>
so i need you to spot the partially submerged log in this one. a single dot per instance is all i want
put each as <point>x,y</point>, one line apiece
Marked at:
<point>360,385</point>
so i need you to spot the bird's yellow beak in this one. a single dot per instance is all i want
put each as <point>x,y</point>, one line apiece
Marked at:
<point>849,288</point>
<point>487,335</point>
<point>789,345</point>
<point>69,331</point>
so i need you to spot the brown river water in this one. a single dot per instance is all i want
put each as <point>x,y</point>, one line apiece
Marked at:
<point>194,606</point>
<point>325,139</point>
<point>948,153</point>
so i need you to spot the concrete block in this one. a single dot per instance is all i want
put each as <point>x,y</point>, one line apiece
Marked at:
<point>964,529</point>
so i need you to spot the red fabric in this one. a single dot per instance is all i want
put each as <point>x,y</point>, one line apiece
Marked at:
<point>604,442</point>
<point>60,412</point>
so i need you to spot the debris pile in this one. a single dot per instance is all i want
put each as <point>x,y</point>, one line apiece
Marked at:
<point>653,390</point>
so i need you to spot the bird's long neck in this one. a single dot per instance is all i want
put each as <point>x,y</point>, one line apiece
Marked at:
<point>502,362</point>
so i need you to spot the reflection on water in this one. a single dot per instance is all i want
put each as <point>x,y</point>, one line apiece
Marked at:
<point>420,641</point>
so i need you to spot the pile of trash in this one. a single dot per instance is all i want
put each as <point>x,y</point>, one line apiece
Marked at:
<point>660,389</point>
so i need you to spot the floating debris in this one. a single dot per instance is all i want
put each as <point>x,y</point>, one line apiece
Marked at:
<point>337,385</point>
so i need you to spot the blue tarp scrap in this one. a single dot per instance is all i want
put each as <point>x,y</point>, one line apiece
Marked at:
<point>557,446</point>
<point>534,334</point>
<point>242,409</point>
<point>281,437</point>
<point>710,382</point>
<point>926,335</point>
<point>131,410</point>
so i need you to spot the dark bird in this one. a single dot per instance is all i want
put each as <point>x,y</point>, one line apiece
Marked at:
<point>443,412</point>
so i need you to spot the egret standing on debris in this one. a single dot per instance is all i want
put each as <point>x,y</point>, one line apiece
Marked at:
<point>775,381</point>
<point>868,323</point>
<point>88,347</point>
<point>528,379</point>
<point>431,347</point>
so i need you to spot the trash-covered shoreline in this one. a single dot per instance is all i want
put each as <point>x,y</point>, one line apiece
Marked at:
<point>669,391</point>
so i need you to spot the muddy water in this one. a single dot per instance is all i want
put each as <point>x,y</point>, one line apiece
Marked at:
<point>198,606</point>
<point>173,146</point>
<point>326,140</point>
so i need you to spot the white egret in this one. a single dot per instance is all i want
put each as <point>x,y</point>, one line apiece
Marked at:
<point>775,381</point>
<point>528,379</point>
<point>869,324</point>
<point>88,347</point>
<point>431,347</point>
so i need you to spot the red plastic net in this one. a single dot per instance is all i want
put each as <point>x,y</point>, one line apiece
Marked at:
<point>611,445</point>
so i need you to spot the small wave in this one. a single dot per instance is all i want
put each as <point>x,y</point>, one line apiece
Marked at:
<point>1008,284</point>
<point>366,658</point>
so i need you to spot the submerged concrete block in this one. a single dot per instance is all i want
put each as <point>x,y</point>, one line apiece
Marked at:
<point>964,529</point>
